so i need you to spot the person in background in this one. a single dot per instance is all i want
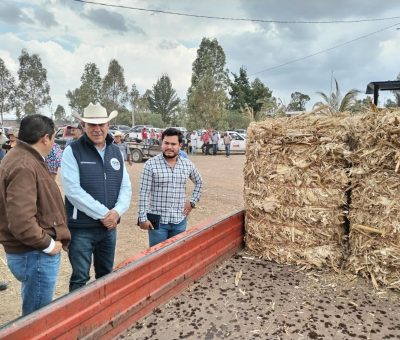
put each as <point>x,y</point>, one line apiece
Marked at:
<point>53,159</point>
<point>227,143</point>
<point>3,140</point>
<point>163,189</point>
<point>12,141</point>
<point>215,139</point>
<point>76,132</point>
<point>152,137</point>
<point>123,147</point>
<point>193,141</point>
<point>97,192</point>
<point>183,154</point>
<point>206,142</point>
<point>33,225</point>
<point>145,136</point>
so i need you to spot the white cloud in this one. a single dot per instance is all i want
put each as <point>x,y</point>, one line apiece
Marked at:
<point>148,45</point>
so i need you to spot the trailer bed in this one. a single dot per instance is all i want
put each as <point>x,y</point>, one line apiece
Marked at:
<point>273,301</point>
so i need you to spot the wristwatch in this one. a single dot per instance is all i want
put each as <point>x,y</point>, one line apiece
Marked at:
<point>193,205</point>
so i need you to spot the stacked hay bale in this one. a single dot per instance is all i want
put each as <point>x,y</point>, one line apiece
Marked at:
<point>295,185</point>
<point>375,199</point>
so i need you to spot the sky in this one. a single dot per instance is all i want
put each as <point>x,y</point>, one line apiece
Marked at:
<point>68,34</point>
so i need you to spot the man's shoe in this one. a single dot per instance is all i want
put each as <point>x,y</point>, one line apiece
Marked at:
<point>3,285</point>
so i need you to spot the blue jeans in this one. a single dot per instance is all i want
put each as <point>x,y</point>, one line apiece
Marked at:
<point>227,150</point>
<point>215,148</point>
<point>85,242</point>
<point>37,273</point>
<point>166,231</point>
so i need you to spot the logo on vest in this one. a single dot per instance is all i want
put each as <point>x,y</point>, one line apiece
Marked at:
<point>115,164</point>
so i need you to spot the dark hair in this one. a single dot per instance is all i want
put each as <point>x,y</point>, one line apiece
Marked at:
<point>34,127</point>
<point>172,132</point>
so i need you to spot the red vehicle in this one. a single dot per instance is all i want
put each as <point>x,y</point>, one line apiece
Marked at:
<point>110,305</point>
<point>63,134</point>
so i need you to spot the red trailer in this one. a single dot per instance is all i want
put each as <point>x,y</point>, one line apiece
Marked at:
<point>108,306</point>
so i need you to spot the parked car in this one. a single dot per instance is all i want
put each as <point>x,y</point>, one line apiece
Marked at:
<point>123,128</point>
<point>242,132</point>
<point>135,133</point>
<point>63,134</point>
<point>181,128</point>
<point>238,143</point>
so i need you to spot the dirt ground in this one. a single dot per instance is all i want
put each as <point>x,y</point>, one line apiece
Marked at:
<point>222,193</point>
<point>273,301</point>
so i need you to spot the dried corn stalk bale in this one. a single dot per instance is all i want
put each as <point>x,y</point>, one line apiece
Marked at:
<point>375,208</point>
<point>295,183</point>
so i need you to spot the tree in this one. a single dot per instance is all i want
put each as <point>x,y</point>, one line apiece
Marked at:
<point>206,105</point>
<point>298,102</point>
<point>163,99</point>
<point>210,62</point>
<point>206,96</point>
<point>7,90</point>
<point>89,91</point>
<point>60,115</point>
<point>241,92</point>
<point>114,92</point>
<point>396,95</point>
<point>335,102</point>
<point>134,96</point>
<point>33,88</point>
<point>262,99</point>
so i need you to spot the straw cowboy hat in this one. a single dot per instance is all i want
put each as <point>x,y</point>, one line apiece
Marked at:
<point>95,114</point>
<point>118,133</point>
<point>12,132</point>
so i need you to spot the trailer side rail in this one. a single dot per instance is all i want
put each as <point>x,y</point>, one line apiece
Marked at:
<point>108,306</point>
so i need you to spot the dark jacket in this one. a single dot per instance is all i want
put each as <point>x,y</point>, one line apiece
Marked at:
<point>31,206</point>
<point>101,180</point>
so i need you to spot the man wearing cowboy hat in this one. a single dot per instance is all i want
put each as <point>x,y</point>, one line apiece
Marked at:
<point>123,147</point>
<point>97,192</point>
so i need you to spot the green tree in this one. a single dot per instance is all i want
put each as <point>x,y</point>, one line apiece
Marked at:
<point>206,105</point>
<point>261,98</point>
<point>241,92</point>
<point>335,102</point>
<point>143,102</point>
<point>179,117</point>
<point>89,91</point>
<point>206,96</point>
<point>134,96</point>
<point>60,115</point>
<point>7,90</point>
<point>298,102</point>
<point>236,120</point>
<point>210,62</point>
<point>33,88</point>
<point>114,91</point>
<point>163,99</point>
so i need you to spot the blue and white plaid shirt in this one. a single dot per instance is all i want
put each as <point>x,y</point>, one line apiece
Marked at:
<point>166,188</point>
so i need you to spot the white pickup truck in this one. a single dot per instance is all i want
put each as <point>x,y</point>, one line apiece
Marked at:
<point>238,143</point>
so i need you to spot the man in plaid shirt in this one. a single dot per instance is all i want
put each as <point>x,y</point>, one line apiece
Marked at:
<point>163,190</point>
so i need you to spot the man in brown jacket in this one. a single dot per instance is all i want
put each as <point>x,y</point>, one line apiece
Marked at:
<point>33,227</point>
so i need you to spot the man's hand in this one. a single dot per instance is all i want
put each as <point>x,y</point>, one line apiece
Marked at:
<point>57,248</point>
<point>187,209</point>
<point>146,225</point>
<point>110,219</point>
